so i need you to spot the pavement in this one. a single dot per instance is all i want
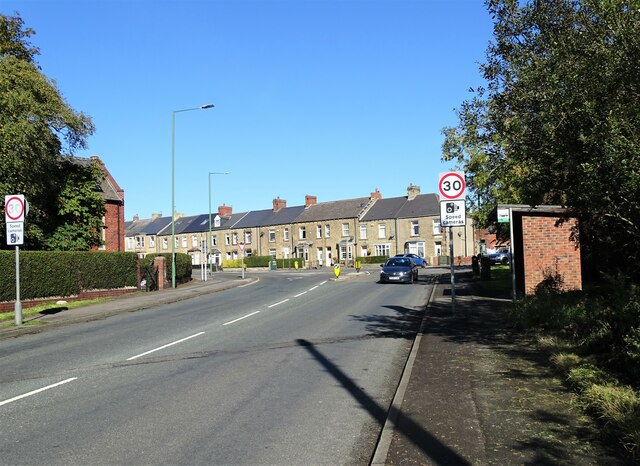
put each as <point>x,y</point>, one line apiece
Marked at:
<point>473,391</point>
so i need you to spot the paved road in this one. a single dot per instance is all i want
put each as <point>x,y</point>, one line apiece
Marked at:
<point>295,369</point>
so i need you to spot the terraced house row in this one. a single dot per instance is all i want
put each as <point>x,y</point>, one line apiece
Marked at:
<point>323,233</point>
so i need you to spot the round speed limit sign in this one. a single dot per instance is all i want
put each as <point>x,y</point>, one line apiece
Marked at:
<point>452,185</point>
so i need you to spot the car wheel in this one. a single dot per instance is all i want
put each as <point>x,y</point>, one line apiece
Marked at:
<point>505,260</point>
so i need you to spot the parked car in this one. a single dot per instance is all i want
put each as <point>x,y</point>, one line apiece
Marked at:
<point>399,269</point>
<point>502,256</point>
<point>420,261</point>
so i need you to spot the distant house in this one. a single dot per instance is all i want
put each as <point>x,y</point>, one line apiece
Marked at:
<point>113,231</point>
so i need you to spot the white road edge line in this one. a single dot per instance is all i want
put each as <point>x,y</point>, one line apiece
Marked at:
<point>300,294</point>
<point>240,318</point>
<point>16,398</point>
<point>163,347</point>
<point>283,301</point>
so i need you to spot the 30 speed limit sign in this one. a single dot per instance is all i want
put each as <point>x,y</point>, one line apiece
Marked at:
<point>452,185</point>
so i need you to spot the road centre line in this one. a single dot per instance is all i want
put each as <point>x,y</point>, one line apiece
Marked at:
<point>164,346</point>
<point>16,398</point>
<point>240,318</point>
<point>311,289</point>
<point>300,294</point>
<point>283,301</point>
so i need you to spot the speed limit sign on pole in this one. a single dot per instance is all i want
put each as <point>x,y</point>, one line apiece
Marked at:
<point>452,185</point>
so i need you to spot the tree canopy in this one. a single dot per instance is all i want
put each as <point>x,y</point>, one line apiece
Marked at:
<point>39,132</point>
<point>558,121</point>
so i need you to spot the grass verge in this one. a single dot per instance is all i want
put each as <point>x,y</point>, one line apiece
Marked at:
<point>31,315</point>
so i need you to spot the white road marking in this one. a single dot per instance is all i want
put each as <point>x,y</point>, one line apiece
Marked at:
<point>37,391</point>
<point>240,318</point>
<point>283,301</point>
<point>300,294</point>
<point>323,282</point>
<point>164,346</point>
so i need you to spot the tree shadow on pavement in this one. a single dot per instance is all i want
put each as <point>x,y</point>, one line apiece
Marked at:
<point>428,443</point>
<point>404,324</point>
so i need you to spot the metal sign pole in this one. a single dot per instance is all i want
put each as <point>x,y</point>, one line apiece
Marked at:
<point>453,276</point>
<point>18,305</point>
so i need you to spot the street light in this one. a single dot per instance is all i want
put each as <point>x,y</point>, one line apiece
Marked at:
<point>173,177</point>
<point>209,239</point>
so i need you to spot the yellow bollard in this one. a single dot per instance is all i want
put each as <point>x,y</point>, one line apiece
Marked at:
<point>336,270</point>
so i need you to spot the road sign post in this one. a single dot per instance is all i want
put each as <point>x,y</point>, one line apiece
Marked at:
<point>241,247</point>
<point>14,211</point>
<point>452,188</point>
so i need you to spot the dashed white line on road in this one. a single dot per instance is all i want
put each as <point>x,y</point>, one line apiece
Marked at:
<point>16,398</point>
<point>275,304</point>
<point>300,294</point>
<point>240,318</point>
<point>164,346</point>
<point>311,289</point>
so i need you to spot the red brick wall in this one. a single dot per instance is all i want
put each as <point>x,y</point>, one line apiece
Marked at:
<point>9,306</point>
<point>547,248</point>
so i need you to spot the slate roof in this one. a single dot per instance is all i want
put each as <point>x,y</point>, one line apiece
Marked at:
<point>156,226</point>
<point>199,224</point>
<point>332,210</point>
<point>267,217</point>
<point>135,227</point>
<point>423,205</point>
<point>106,189</point>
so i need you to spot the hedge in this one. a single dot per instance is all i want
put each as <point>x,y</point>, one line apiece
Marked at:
<point>183,265</point>
<point>46,274</point>
<point>372,259</point>
<point>263,261</point>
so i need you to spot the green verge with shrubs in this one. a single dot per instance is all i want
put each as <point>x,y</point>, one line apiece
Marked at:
<point>592,337</point>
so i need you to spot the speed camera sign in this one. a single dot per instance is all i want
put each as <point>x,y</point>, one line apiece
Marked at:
<point>452,185</point>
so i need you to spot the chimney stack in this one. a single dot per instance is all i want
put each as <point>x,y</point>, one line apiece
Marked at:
<point>310,200</point>
<point>413,191</point>
<point>279,204</point>
<point>376,194</point>
<point>136,217</point>
<point>155,216</point>
<point>224,210</point>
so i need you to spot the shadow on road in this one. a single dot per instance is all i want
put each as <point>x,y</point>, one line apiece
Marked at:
<point>430,445</point>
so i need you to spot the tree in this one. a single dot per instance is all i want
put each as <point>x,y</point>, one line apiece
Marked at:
<point>37,127</point>
<point>558,121</point>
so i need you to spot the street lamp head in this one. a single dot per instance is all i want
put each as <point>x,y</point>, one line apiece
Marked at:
<point>204,107</point>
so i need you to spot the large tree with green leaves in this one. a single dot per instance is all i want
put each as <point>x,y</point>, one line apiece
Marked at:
<point>38,133</point>
<point>558,119</point>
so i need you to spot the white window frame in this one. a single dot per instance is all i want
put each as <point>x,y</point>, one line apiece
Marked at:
<point>194,241</point>
<point>184,241</point>
<point>415,228</point>
<point>302,232</point>
<point>437,229</point>
<point>363,231</point>
<point>285,234</point>
<point>272,236</point>
<point>382,230</point>
<point>382,249</point>
<point>165,243</point>
<point>318,231</point>
<point>327,230</point>
<point>345,229</point>
<point>247,237</point>
<point>152,241</point>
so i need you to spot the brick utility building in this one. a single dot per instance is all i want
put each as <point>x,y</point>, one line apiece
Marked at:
<point>543,247</point>
<point>113,231</point>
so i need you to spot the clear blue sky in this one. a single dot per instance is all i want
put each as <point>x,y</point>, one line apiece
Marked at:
<point>327,98</point>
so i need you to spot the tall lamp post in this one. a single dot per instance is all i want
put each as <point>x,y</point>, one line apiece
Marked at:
<point>173,178</point>
<point>209,239</point>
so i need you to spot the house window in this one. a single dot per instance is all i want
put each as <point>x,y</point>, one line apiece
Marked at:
<point>234,238</point>
<point>345,229</point>
<point>272,236</point>
<point>286,253</point>
<point>139,241</point>
<point>165,243</point>
<point>227,239</point>
<point>415,228</point>
<point>302,233</point>
<point>234,255</point>
<point>363,231</point>
<point>228,255</point>
<point>152,241</point>
<point>346,253</point>
<point>327,230</point>
<point>247,237</point>
<point>214,240</point>
<point>383,249</point>
<point>318,231</point>
<point>285,234</point>
<point>176,242</point>
<point>382,231</point>
<point>272,253</point>
<point>216,222</point>
<point>436,227</point>
<point>130,242</point>
<point>194,241</point>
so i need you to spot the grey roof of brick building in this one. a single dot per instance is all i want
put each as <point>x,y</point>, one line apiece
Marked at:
<point>423,205</point>
<point>333,210</point>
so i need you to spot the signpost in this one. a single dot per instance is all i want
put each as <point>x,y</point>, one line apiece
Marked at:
<point>452,188</point>
<point>14,212</point>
